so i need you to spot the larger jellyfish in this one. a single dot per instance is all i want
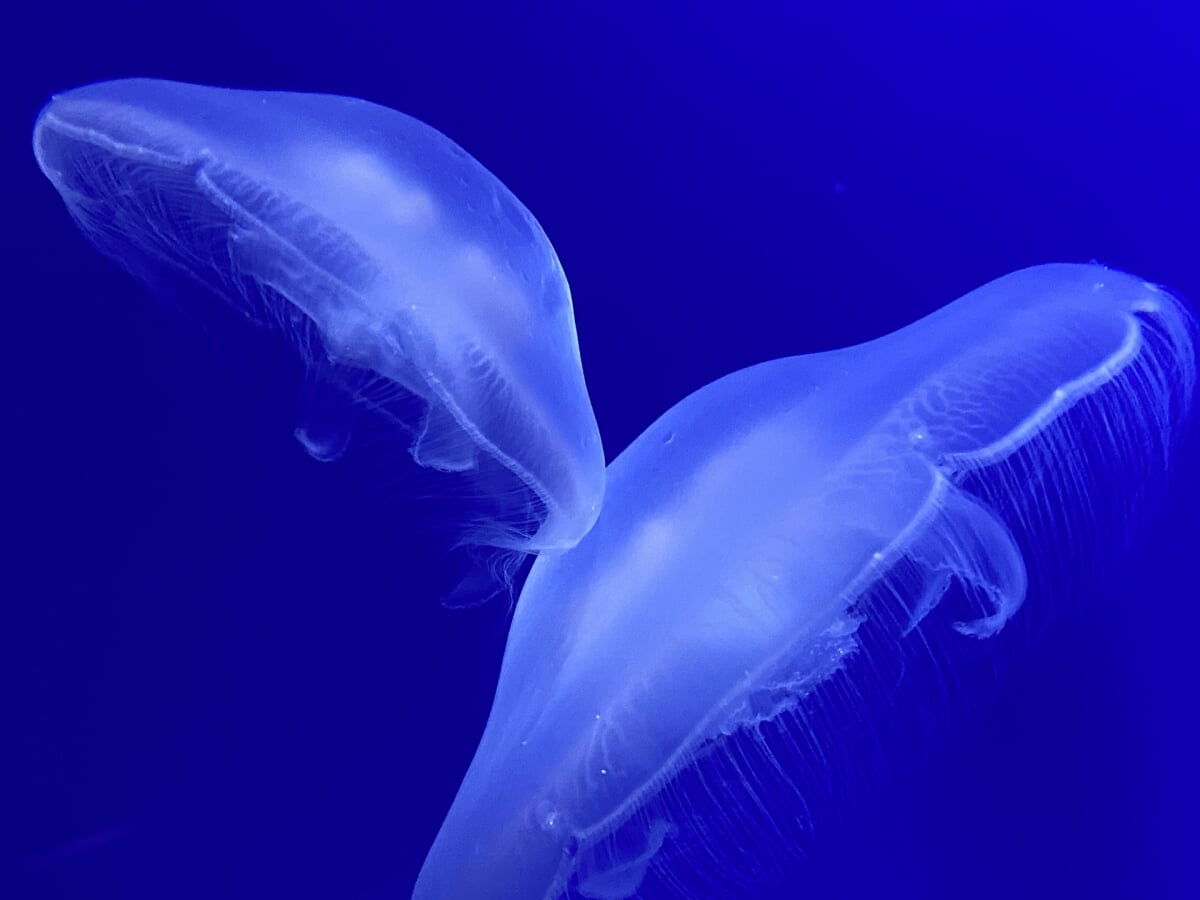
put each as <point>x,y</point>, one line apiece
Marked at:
<point>778,555</point>
<point>407,276</point>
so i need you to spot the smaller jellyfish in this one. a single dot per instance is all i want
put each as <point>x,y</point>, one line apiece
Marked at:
<point>411,282</point>
<point>790,566</point>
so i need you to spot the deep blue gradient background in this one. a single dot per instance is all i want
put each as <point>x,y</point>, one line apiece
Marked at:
<point>225,672</point>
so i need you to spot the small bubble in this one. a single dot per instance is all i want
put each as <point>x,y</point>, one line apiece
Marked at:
<point>547,815</point>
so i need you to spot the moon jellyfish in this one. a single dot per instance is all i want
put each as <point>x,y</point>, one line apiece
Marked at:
<point>408,278</point>
<point>779,557</point>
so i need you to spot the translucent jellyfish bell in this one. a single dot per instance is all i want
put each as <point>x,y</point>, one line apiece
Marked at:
<point>408,277</point>
<point>780,557</point>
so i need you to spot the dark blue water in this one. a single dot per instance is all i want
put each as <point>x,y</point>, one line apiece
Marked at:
<point>226,673</point>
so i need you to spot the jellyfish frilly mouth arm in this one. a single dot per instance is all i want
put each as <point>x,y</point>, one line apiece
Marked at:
<point>792,550</point>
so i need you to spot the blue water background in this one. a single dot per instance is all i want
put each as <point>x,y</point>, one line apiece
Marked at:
<point>225,674</point>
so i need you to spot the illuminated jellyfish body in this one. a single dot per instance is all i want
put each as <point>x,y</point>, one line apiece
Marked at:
<point>410,280</point>
<point>777,556</point>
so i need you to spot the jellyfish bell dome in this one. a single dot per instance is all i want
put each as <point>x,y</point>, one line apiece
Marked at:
<point>410,281</point>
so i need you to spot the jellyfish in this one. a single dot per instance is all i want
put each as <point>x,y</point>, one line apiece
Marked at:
<point>779,555</point>
<point>409,280</point>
